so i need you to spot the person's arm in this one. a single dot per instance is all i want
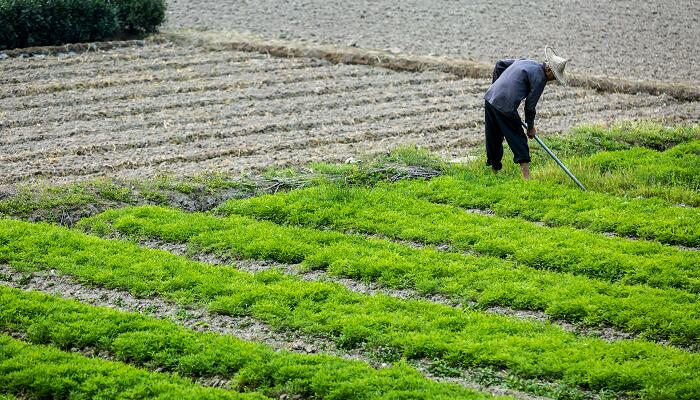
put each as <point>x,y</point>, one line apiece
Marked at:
<point>530,104</point>
<point>501,65</point>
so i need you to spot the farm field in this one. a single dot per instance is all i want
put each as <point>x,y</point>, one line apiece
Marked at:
<point>359,285</point>
<point>185,217</point>
<point>164,107</point>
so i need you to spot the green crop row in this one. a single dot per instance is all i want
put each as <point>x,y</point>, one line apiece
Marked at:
<point>388,211</point>
<point>652,312</point>
<point>65,204</point>
<point>638,172</point>
<point>163,345</point>
<point>558,205</point>
<point>587,140</point>
<point>392,328</point>
<point>41,372</point>
<point>576,147</point>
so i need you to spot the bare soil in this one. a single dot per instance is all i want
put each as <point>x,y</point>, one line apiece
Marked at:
<point>179,110</point>
<point>642,40</point>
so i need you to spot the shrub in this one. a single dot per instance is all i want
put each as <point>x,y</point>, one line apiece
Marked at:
<point>140,16</point>
<point>25,23</point>
<point>49,22</point>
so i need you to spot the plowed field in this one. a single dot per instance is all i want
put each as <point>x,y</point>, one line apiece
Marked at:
<point>165,108</point>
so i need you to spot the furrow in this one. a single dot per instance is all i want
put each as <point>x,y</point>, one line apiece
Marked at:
<point>139,91</point>
<point>227,125</point>
<point>92,70</point>
<point>119,54</point>
<point>609,103</point>
<point>240,163</point>
<point>266,139</point>
<point>219,96</point>
<point>157,117</point>
<point>150,104</point>
<point>334,152</point>
<point>154,78</point>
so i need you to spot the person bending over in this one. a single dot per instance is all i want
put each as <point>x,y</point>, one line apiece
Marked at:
<point>513,81</point>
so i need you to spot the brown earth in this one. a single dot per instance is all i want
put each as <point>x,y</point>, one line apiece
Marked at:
<point>650,40</point>
<point>180,109</point>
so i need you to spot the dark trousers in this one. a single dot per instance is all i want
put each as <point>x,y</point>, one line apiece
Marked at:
<point>498,127</point>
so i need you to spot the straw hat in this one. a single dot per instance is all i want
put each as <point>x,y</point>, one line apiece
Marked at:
<point>557,64</point>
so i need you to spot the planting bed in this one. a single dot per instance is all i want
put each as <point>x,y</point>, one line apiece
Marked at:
<point>140,111</point>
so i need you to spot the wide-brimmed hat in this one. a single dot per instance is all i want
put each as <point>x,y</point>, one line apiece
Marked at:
<point>556,64</point>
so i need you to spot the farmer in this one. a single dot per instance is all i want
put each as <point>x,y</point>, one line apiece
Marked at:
<point>513,81</point>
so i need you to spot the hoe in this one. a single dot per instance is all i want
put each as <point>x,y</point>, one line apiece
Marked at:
<point>557,161</point>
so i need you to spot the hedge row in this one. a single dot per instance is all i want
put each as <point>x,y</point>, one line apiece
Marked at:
<point>26,23</point>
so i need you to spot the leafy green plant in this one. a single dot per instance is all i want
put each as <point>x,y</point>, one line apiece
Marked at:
<point>35,371</point>
<point>653,312</point>
<point>163,345</point>
<point>417,329</point>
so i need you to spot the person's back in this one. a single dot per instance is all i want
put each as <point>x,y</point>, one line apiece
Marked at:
<point>521,79</point>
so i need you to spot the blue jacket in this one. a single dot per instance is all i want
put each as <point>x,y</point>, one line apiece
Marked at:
<point>513,81</point>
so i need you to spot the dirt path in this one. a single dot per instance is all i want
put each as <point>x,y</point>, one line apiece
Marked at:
<point>643,40</point>
<point>180,110</point>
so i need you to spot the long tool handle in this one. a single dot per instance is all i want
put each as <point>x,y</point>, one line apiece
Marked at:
<point>544,146</point>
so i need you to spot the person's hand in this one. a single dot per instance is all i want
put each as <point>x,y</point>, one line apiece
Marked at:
<point>531,132</point>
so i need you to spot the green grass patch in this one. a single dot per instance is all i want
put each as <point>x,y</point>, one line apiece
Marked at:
<point>586,140</point>
<point>65,204</point>
<point>584,150</point>
<point>671,175</point>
